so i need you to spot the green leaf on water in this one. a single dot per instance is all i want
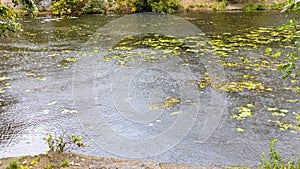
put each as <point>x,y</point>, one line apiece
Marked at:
<point>68,111</point>
<point>272,109</point>
<point>278,114</point>
<point>46,111</point>
<point>174,113</point>
<point>31,74</point>
<point>239,129</point>
<point>244,112</point>
<point>284,110</point>
<point>4,78</point>
<point>52,103</point>
<point>268,51</point>
<point>40,78</point>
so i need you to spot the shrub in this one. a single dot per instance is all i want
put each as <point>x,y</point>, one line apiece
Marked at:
<point>275,161</point>
<point>13,165</point>
<point>278,6</point>
<point>48,166</point>
<point>125,6</point>
<point>65,7</point>
<point>94,6</point>
<point>163,6</point>
<point>219,6</point>
<point>63,143</point>
<point>253,7</point>
<point>8,20</point>
<point>64,163</point>
<point>142,6</point>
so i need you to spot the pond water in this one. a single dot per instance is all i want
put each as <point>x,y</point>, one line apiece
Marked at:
<point>195,88</point>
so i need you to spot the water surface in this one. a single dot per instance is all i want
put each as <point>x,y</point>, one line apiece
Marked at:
<point>39,87</point>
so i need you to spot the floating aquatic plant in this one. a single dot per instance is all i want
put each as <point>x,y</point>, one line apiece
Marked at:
<point>244,112</point>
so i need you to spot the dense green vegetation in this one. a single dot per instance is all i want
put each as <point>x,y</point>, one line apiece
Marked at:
<point>252,7</point>
<point>64,7</point>
<point>291,66</point>
<point>219,6</point>
<point>94,6</point>
<point>8,15</point>
<point>62,143</point>
<point>275,161</point>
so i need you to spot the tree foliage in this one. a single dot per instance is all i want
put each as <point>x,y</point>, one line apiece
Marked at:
<point>8,16</point>
<point>162,6</point>
<point>65,7</point>
<point>125,6</point>
<point>291,66</point>
<point>94,6</point>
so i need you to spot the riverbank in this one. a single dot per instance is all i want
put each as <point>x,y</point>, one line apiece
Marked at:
<point>80,161</point>
<point>127,7</point>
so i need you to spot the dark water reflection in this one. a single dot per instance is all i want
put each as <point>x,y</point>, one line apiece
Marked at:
<point>38,98</point>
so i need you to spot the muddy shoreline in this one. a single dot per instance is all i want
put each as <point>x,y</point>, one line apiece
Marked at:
<point>81,161</point>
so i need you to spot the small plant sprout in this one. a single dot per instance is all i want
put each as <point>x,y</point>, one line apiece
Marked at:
<point>62,143</point>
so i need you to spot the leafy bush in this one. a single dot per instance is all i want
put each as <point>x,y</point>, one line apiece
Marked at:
<point>253,7</point>
<point>65,7</point>
<point>8,16</point>
<point>278,6</point>
<point>219,6</point>
<point>64,163</point>
<point>163,6</point>
<point>275,161</point>
<point>7,20</point>
<point>291,66</point>
<point>63,143</point>
<point>13,165</point>
<point>125,6</point>
<point>142,6</point>
<point>94,6</point>
<point>48,166</point>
